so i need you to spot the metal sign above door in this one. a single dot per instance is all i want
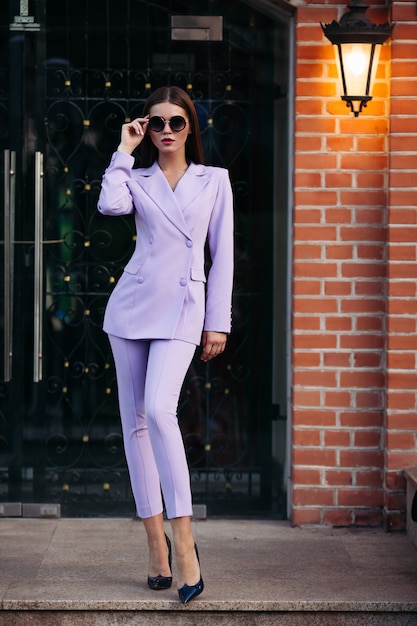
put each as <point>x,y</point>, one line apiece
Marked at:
<point>197,28</point>
<point>24,21</point>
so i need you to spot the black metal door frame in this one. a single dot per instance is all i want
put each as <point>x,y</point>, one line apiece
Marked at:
<point>60,439</point>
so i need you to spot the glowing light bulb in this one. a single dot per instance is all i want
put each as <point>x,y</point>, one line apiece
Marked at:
<point>357,62</point>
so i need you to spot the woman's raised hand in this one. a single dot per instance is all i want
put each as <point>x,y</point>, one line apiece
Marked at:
<point>132,134</point>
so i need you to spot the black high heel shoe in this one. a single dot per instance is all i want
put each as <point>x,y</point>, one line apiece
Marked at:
<point>162,582</point>
<point>189,592</point>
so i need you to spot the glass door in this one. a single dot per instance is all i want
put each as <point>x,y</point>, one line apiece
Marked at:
<point>71,72</point>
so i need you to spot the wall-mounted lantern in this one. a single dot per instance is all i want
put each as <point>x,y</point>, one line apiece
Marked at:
<point>357,43</point>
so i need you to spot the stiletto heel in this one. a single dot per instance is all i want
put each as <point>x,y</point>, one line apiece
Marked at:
<point>189,592</point>
<point>162,582</point>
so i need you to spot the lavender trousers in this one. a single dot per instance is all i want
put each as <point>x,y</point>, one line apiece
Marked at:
<point>150,374</point>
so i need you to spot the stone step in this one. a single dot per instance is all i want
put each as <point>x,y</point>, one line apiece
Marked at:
<point>92,572</point>
<point>210,614</point>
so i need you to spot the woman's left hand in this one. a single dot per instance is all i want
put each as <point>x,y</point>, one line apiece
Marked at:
<point>213,344</point>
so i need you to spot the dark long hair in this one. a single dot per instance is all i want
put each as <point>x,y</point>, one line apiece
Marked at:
<point>193,145</point>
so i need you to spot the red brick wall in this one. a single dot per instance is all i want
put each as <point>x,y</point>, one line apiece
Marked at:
<point>354,288</point>
<point>401,407</point>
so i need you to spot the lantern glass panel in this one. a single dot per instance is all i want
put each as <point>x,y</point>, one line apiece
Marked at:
<point>358,77</point>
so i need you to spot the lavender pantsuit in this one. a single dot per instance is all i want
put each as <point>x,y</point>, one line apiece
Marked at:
<point>158,309</point>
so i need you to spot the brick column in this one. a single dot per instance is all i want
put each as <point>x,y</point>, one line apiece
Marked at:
<point>401,415</point>
<point>339,287</point>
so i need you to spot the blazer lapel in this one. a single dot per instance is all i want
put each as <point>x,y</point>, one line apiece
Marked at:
<point>191,184</point>
<point>156,186</point>
<point>172,203</point>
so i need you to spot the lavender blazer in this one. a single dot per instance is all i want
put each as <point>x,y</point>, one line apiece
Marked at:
<point>163,292</point>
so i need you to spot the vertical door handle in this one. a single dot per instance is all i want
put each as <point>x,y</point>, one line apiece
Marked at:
<point>9,220</point>
<point>38,271</point>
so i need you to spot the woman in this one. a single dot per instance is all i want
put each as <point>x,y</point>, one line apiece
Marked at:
<point>162,307</point>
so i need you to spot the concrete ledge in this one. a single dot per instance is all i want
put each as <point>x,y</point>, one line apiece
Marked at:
<point>211,606</point>
<point>411,476</point>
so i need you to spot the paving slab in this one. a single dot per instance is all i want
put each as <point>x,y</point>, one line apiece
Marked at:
<point>83,565</point>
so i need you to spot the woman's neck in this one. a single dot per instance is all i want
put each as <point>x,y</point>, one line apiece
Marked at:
<point>173,169</point>
<point>175,164</point>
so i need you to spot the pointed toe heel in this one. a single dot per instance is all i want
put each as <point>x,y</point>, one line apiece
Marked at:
<point>157,583</point>
<point>189,592</point>
<point>162,582</point>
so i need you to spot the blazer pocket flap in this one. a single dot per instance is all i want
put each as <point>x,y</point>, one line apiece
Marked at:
<point>198,274</point>
<point>133,266</point>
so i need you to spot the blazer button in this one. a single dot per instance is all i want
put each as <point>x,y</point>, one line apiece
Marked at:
<point>189,243</point>
<point>183,282</point>
<point>141,280</point>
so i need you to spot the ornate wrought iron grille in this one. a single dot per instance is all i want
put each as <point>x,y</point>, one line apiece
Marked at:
<point>96,64</point>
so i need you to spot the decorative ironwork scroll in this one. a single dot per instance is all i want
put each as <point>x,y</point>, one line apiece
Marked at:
<point>72,437</point>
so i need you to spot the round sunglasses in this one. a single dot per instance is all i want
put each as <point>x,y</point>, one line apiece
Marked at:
<point>177,123</point>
